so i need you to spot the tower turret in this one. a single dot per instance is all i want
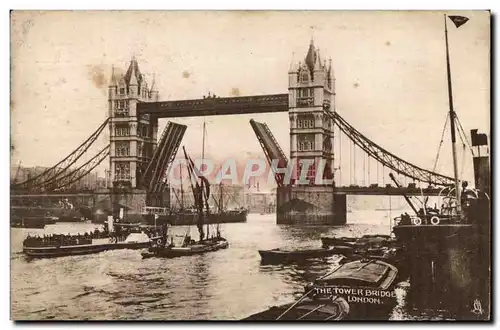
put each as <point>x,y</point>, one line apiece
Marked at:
<point>133,84</point>
<point>293,71</point>
<point>112,87</point>
<point>153,90</point>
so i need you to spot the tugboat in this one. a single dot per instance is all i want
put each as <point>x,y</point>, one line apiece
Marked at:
<point>201,193</point>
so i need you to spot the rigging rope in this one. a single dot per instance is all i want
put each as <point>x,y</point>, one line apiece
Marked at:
<point>441,142</point>
<point>340,157</point>
<point>464,140</point>
<point>461,129</point>
<point>463,160</point>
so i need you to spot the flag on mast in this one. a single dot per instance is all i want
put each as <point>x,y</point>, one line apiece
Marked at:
<point>458,20</point>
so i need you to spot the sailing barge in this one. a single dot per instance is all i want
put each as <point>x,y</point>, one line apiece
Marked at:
<point>201,192</point>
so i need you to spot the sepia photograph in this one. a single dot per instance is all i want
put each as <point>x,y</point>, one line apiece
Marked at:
<point>250,165</point>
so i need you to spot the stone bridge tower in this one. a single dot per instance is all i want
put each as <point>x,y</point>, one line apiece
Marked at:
<point>132,137</point>
<point>311,96</point>
<point>311,90</point>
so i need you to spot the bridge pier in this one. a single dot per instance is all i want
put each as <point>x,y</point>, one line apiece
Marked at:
<point>133,199</point>
<point>310,205</point>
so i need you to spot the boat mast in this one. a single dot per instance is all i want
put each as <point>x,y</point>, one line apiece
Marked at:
<point>452,120</point>
<point>221,199</point>
<point>202,163</point>
<point>182,188</point>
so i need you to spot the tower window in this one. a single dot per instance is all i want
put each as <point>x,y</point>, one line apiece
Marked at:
<point>122,171</point>
<point>304,77</point>
<point>122,130</point>
<point>122,149</point>
<point>311,173</point>
<point>121,108</point>
<point>143,131</point>
<point>122,91</point>
<point>139,149</point>
<point>305,121</point>
<point>305,97</point>
<point>305,142</point>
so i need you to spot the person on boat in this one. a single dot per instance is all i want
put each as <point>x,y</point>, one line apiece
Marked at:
<point>468,200</point>
<point>171,245</point>
<point>187,240</point>
<point>421,215</point>
<point>27,240</point>
<point>405,219</point>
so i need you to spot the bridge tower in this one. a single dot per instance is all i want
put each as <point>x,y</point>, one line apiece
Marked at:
<point>311,92</point>
<point>311,97</point>
<point>133,137</point>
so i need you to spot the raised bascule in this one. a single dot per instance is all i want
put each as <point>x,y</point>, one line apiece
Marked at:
<point>139,160</point>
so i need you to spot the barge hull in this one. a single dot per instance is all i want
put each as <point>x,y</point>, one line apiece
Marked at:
<point>74,250</point>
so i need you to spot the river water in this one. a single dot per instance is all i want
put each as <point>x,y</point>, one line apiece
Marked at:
<point>224,285</point>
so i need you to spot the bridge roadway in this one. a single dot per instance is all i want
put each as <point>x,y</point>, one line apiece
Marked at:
<point>216,106</point>
<point>387,191</point>
<point>368,191</point>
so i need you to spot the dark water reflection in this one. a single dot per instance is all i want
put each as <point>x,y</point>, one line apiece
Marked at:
<point>227,284</point>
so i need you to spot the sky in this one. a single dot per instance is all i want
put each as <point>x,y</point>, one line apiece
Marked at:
<point>390,73</point>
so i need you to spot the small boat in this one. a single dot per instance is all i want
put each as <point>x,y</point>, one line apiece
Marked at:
<point>367,285</point>
<point>27,222</point>
<point>355,241</point>
<point>362,289</point>
<point>328,241</point>
<point>279,255</point>
<point>50,220</point>
<point>374,245</point>
<point>305,310</point>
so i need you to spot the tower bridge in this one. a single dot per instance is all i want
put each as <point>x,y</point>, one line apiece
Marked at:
<point>139,160</point>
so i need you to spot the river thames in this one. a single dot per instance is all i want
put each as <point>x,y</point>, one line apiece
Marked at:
<point>228,284</point>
